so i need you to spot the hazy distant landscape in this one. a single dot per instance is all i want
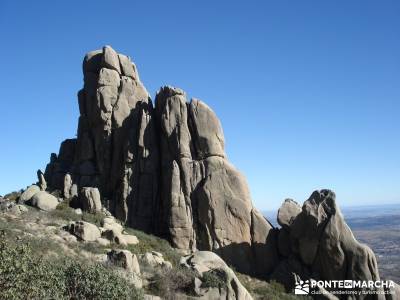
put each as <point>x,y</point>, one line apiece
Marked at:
<point>378,226</point>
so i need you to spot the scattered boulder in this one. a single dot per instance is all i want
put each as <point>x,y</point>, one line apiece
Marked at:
<point>112,224</point>
<point>90,200</point>
<point>28,193</point>
<point>85,231</point>
<point>112,231</point>
<point>44,201</point>
<point>124,259</point>
<point>155,259</point>
<point>202,262</point>
<point>129,262</point>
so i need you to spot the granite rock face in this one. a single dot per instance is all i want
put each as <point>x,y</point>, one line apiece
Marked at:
<point>116,147</point>
<point>205,201</point>
<point>162,170</point>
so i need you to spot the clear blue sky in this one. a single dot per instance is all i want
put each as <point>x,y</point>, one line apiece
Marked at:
<point>308,92</point>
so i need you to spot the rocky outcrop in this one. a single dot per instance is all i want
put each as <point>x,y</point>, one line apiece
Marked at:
<point>319,245</point>
<point>162,170</point>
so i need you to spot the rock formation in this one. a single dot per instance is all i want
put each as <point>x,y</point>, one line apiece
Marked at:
<point>162,170</point>
<point>316,243</point>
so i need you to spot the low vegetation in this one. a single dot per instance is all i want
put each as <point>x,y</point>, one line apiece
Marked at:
<point>35,264</point>
<point>150,242</point>
<point>264,290</point>
<point>214,279</point>
<point>168,283</point>
<point>25,274</point>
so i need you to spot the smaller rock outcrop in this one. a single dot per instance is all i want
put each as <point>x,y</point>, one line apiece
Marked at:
<point>202,262</point>
<point>317,244</point>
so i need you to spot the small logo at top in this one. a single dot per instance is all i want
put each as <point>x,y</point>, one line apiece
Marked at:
<point>302,287</point>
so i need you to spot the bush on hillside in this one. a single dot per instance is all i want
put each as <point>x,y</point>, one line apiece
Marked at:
<point>214,279</point>
<point>168,282</point>
<point>24,275</point>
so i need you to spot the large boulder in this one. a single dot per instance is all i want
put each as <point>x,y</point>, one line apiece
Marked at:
<point>44,201</point>
<point>90,199</point>
<point>203,263</point>
<point>28,193</point>
<point>85,231</point>
<point>124,259</point>
<point>155,259</point>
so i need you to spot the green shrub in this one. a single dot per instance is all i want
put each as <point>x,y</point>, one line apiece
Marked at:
<point>97,282</point>
<point>24,275</point>
<point>168,282</point>
<point>214,279</point>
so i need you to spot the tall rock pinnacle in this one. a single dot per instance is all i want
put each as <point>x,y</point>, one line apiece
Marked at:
<point>164,169</point>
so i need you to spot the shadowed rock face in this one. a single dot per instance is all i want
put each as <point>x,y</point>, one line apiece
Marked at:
<point>161,170</point>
